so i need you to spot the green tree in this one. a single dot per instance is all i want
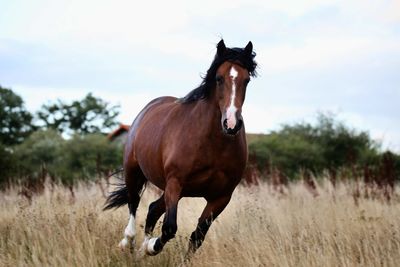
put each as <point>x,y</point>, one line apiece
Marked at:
<point>39,155</point>
<point>288,151</point>
<point>45,153</point>
<point>86,157</point>
<point>327,145</point>
<point>342,145</point>
<point>90,115</point>
<point>7,166</point>
<point>15,120</point>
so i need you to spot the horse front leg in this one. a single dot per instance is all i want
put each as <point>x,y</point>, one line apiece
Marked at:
<point>172,193</point>
<point>210,213</point>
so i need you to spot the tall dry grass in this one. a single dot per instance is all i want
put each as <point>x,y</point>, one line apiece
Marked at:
<point>258,228</point>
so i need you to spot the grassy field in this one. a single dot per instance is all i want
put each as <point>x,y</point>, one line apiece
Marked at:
<point>259,228</point>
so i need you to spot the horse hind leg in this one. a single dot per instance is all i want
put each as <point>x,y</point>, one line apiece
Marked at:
<point>129,234</point>
<point>134,180</point>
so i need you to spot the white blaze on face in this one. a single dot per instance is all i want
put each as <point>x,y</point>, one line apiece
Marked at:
<point>231,110</point>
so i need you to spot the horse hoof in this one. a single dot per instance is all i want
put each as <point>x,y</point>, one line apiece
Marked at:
<point>153,246</point>
<point>124,244</point>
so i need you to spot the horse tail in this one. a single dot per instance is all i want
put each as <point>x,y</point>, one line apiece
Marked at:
<point>124,194</point>
<point>117,198</point>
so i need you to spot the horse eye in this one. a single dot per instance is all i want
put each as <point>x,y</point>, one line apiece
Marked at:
<point>219,79</point>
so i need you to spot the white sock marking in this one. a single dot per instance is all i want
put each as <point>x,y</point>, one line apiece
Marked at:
<point>129,232</point>
<point>150,246</point>
<point>130,228</point>
<point>124,242</point>
<point>231,111</point>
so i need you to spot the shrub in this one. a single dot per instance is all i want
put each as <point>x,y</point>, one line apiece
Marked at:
<point>7,166</point>
<point>329,145</point>
<point>85,157</point>
<point>38,156</point>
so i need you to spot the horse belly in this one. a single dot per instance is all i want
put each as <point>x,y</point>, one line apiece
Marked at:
<point>151,165</point>
<point>211,185</point>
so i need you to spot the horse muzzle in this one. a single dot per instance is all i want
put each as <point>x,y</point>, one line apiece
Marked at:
<point>232,127</point>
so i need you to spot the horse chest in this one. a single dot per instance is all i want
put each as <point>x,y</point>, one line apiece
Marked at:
<point>212,171</point>
<point>217,157</point>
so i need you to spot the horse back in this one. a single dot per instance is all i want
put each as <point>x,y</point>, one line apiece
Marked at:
<point>130,155</point>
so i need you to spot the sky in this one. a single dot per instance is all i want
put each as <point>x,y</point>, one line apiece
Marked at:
<point>335,56</point>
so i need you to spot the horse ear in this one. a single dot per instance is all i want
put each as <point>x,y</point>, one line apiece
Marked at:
<point>249,48</point>
<point>221,48</point>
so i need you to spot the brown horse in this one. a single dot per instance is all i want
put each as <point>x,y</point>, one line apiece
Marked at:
<point>194,146</point>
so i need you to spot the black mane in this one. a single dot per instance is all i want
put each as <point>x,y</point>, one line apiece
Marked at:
<point>236,55</point>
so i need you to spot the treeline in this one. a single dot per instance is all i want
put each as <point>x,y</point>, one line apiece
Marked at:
<point>66,142</point>
<point>63,142</point>
<point>329,147</point>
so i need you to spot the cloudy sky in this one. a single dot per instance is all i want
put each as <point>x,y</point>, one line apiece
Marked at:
<point>314,56</point>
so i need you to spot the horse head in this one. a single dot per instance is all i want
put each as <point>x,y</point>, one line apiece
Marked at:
<point>232,77</point>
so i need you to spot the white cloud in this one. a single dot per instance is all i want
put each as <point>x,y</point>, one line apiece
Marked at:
<point>35,97</point>
<point>94,20</point>
<point>316,53</point>
<point>131,103</point>
<point>260,119</point>
<point>89,38</point>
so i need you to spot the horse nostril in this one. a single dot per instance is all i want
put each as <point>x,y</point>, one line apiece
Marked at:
<point>231,131</point>
<point>225,124</point>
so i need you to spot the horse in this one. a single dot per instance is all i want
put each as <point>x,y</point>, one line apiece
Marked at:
<point>194,146</point>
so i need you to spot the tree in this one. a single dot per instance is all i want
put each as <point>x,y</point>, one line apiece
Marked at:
<point>328,145</point>
<point>87,157</point>
<point>342,145</point>
<point>15,120</point>
<point>38,156</point>
<point>7,166</point>
<point>90,115</point>
<point>46,154</point>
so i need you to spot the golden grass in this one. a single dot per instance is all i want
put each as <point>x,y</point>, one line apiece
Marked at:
<point>258,228</point>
